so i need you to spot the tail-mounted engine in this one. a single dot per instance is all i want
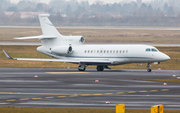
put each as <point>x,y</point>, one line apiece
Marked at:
<point>62,50</point>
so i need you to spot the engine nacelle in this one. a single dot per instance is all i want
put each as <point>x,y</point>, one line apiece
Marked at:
<point>62,50</point>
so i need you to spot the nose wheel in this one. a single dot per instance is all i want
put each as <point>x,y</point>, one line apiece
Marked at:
<point>148,66</point>
<point>148,70</point>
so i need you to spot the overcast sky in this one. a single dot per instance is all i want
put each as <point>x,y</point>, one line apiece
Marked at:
<point>90,1</point>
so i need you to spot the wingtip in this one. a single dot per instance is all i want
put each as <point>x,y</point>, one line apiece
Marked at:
<point>7,55</point>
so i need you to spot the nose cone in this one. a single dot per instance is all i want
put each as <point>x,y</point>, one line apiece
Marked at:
<point>165,57</point>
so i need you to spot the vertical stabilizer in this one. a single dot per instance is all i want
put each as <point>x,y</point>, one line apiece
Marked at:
<point>47,27</point>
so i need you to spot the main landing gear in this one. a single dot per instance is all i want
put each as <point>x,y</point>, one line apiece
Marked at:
<point>148,66</point>
<point>82,67</point>
<point>100,68</point>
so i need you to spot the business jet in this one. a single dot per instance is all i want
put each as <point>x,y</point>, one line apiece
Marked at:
<point>73,50</point>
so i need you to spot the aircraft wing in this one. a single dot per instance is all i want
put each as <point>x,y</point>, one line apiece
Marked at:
<point>37,37</point>
<point>106,61</point>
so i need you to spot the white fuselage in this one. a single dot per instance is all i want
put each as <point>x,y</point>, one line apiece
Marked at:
<point>117,54</point>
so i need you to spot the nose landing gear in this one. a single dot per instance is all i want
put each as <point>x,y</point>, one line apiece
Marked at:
<point>148,66</point>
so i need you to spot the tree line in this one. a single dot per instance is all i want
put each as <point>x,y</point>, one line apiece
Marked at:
<point>73,13</point>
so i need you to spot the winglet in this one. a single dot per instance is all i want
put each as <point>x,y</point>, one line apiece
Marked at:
<point>7,55</point>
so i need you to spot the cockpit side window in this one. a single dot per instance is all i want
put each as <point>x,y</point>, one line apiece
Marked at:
<point>148,50</point>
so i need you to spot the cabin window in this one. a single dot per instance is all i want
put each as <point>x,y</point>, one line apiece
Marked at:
<point>104,51</point>
<point>97,51</point>
<point>148,49</point>
<point>117,51</point>
<point>123,51</point>
<point>126,51</point>
<point>88,51</point>
<point>113,51</point>
<point>120,51</point>
<point>107,51</point>
<point>85,51</point>
<point>110,51</point>
<point>91,51</point>
<point>101,51</point>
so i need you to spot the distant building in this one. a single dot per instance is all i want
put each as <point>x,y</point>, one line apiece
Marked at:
<point>139,3</point>
<point>25,14</point>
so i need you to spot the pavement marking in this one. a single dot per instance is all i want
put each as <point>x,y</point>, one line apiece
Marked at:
<point>24,99</point>
<point>11,100</point>
<point>36,98</point>
<point>73,95</point>
<point>154,90</point>
<point>61,96</point>
<point>119,92</point>
<point>142,91</point>
<point>108,93</point>
<point>67,72</point>
<point>49,97</point>
<point>97,94</point>
<point>19,93</point>
<point>132,92</point>
<point>164,89</point>
<point>150,95</point>
<point>84,94</point>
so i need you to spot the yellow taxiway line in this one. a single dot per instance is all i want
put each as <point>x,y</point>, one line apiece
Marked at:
<point>18,93</point>
<point>67,72</point>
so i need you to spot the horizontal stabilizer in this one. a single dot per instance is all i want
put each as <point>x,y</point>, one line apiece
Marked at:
<point>37,37</point>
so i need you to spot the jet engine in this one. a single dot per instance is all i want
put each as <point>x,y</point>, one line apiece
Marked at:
<point>62,50</point>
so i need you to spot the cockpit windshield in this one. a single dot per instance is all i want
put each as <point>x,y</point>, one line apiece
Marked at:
<point>154,50</point>
<point>151,49</point>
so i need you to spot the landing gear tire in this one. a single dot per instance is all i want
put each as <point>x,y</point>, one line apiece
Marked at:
<point>148,66</point>
<point>100,68</point>
<point>148,70</point>
<point>81,69</point>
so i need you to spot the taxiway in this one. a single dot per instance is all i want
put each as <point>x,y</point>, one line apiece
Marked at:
<point>73,89</point>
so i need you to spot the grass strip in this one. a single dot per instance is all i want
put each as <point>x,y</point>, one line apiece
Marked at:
<point>72,110</point>
<point>162,80</point>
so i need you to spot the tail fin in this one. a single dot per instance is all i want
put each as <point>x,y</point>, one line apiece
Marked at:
<point>47,27</point>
